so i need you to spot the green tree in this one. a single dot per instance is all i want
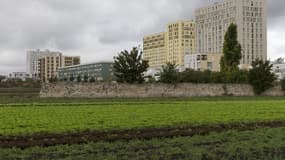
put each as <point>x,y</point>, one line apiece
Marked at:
<point>2,78</point>
<point>92,80</point>
<point>260,76</point>
<point>283,84</point>
<point>231,50</point>
<point>53,80</point>
<point>130,66</point>
<point>71,78</point>
<point>169,74</point>
<point>79,79</point>
<point>85,78</point>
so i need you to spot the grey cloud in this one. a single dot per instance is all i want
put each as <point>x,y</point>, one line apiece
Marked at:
<point>94,28</point>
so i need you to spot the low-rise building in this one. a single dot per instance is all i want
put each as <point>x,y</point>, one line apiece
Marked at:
<point>19,76</point>
<point>70,60</point>
<point>202,62</point>
<point>153,74</point>
<point>102,71</point>
<point>279,68</point>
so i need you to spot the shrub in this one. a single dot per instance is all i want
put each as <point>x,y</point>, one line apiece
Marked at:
<point>92,80</point>
<point>261,77</point>
<point>195,76</point>
<point>191,76</point>
<point>85,78</point>
<point>240,77</point>
<point>79,79</point>
<point>71,79</point>
<point>283,84</point>
<point>217,77</point>
<point>169,74</point>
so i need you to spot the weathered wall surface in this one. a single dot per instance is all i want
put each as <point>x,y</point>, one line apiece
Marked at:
<point>107,90</point>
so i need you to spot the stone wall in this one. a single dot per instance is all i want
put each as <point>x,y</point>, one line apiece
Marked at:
<point>107,90</point>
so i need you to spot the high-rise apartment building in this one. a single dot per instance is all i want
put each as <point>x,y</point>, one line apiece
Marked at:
<point>154,49</point>
<point>250,16</point>
<point>180,40</point>
<point>49,65</point>
<point>170,46</point>
<point>33,61</point>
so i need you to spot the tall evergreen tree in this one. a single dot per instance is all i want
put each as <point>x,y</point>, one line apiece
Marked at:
<point>129,66</point>
<point>231,50</point>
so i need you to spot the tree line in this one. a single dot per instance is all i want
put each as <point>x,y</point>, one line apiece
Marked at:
<point>129,67</point>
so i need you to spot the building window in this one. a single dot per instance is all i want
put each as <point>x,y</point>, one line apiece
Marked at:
<point>210,65</point>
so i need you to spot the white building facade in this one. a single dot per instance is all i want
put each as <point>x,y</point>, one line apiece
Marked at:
<point>279,68</point>
<point>250,16</point>
<point>19,75</point>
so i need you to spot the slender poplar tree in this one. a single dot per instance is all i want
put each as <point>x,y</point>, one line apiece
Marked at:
<point>231,50</point>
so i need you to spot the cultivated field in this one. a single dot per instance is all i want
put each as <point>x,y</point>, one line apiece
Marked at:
<point>198,128</point>
<point>18,91</point>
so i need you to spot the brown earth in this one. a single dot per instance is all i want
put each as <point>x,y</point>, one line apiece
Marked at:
<point>45,140</point>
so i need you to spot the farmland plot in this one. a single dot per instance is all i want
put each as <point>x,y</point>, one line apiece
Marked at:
<point>18,120</point>
<point>143,129</point>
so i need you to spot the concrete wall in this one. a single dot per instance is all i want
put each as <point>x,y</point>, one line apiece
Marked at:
<point>107,90</point>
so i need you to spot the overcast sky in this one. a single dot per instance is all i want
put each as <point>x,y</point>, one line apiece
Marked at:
<point>99,29</point>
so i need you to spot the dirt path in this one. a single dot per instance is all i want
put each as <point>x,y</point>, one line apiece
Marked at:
<point>45,140</point>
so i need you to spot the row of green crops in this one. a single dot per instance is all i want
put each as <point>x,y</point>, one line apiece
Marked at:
<point>36,100</point>
<point>19,120</point>
<point>19,92</point>
<point>262,144</point>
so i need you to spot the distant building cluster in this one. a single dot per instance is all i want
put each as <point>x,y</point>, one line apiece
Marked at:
<point>198,44</point>
<point>19,76</point>
<point>43,65</point>
<point>48,66</point>
<point>192,44</point>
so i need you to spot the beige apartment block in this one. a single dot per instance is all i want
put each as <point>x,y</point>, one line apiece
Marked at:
<point>49,65</point>
<point>180,40</point>
<point>155,50</point>
<point>170,46</point>
<point>250,16</point>
<point>70,60</point>
<point>33,57</point>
